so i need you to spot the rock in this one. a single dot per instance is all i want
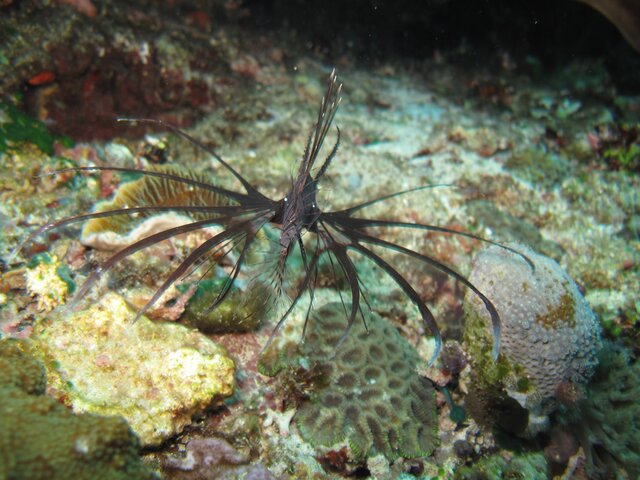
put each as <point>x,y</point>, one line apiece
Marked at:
<point>42,439</point>
<point>156,375</point>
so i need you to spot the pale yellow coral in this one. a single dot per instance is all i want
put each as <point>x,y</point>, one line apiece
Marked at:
<point>44,284</point>
<point>155,375</point>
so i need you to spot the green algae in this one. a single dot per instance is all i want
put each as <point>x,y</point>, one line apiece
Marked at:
<point>17,127</point>
<point>241,311</point>
<point>530,466</point>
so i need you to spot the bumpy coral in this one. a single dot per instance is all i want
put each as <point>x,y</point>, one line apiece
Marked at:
<point>607,419</point>
<point>41,439</point>
<point>155,375</point>
<point>371,395</point>
<point>549,335</point>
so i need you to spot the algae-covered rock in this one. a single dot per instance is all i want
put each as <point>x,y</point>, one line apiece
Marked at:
<point>48,281</point>
<point>530,466</point>
<point>242,310</point>
<point>606,420</point>
<point>549,335</point>
<point>42,439</point>
<point>155,375</point>
<point>19,370</point>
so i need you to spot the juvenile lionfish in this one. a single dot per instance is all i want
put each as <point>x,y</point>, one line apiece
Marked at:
<point>243,214</point>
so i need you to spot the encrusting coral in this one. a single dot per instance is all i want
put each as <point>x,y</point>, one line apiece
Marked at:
<point>156,375</point>
<point>606,420</point>
<point>369,393</point>
<point>549,334</point>
<point>49,282</point>
<point>529,466</point>
<point>41,439</point>
<point>213,458</point>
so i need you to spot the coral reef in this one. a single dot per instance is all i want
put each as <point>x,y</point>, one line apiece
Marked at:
<point>443,120</point>
<point>510,227</point>
<point>531,466</point>
<point>549,336</point>
<point>91,71</point>
<point>368,393</point>
<point>40,439</point>
<point>114,232</point>
<point>606,419</point>
<point>49,282</point>
<point>214,459</point>
<point>155,375</point>
<point>242,311</point>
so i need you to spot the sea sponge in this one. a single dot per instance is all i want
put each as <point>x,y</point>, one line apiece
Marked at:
<point>549,336</point>
<point>371,395</point>
<point>42,439</point>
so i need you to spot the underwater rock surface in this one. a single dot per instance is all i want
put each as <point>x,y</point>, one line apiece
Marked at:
<point>549,335</point>
<point>606,420</point>
<point>41,439</point>
<point>155,375</point>
<point>529,466</point>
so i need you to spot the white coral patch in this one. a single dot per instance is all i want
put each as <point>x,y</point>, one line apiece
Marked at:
<point>44,284</point>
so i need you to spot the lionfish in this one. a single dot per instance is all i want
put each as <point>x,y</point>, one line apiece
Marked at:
<point>243,214</point>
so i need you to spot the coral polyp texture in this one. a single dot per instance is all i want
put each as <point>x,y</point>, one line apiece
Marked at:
<point>155,375</point>
<point>549,335</point>
<point>42,439</point>
<point>114,232</point>
<point>606,420</point>
<point>371,395</point>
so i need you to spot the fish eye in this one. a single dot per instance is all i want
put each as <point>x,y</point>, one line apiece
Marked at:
<point>286,199</point>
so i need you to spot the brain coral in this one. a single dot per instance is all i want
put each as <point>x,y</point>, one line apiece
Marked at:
<point>373,397</point>
<point>549,335</point>
<point>42,439</point>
